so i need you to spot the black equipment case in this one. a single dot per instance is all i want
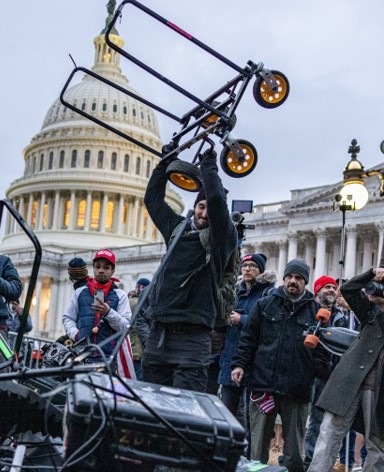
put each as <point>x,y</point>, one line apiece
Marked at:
<point>140,426</point>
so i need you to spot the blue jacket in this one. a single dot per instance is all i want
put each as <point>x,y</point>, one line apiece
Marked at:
<point>245,299</point>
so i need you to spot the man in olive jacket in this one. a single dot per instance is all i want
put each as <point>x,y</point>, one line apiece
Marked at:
<point>357,383</point>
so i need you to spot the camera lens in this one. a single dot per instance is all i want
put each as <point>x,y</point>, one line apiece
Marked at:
<point>375,288</point>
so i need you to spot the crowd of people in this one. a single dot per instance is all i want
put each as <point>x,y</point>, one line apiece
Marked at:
<point>264,370</point>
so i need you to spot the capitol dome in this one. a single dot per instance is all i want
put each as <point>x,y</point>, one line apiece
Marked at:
<point>83,185</point>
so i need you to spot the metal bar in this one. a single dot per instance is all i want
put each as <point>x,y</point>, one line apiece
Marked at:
<point>174,27</point>
<point>35,267</point>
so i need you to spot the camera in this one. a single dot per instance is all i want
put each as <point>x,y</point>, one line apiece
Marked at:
<point>375,288</point>
<point>238,208</point>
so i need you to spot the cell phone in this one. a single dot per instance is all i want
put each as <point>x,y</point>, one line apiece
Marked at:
<point>99,295</point>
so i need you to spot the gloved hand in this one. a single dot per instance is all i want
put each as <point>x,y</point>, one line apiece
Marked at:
<point>265,402</point>
<point>209,153</point>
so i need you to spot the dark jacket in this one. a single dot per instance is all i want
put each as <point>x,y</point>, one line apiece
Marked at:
<point>349,374</point>
<point>271,345</point>
<point>180,293</point>
<point>10,287</point>
<point>245,300</point>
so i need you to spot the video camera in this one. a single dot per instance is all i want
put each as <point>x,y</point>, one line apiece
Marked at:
<point>238,208</point>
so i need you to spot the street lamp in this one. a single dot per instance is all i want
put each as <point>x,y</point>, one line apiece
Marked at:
<point>353,196</point>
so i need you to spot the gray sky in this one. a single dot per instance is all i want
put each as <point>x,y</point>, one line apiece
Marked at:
<point>331,52</point>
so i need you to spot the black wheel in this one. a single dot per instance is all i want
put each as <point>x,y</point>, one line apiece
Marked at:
<point>235,167</point>
<point>268,98</point>
<point>22,409</point>
<point>185,175</point>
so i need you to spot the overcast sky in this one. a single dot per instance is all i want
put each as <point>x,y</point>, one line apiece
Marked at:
<point>331,51</point>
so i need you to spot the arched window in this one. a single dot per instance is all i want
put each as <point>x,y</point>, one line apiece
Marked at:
<point>67,212</point>
<point>33,164</point>
<point>104,107</point>
<point>87,158</point>
<point>45,215</point>
<point>109,216</point>
<point>133,111</point>
<point>61,159</point>
<point>114,108</point>
<point>82,206</point>
<point>34,214</point>
<point>126,163</point>
<point>138,165</point>
<point>148,169</point>
<point>100,160</point>
<point>83,106</point>
<point>93,107</point>
<point>113,161</point>
<point>41,162</point>
<point>50,161</point>
<point>74,158</point>
<point>95,214</point>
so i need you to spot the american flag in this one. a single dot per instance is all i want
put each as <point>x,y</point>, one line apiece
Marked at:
<point>125,367</point>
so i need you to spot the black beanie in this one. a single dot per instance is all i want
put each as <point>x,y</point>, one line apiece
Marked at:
<point>77,268</point>
<point>297,266</point>
<point>200,196</point>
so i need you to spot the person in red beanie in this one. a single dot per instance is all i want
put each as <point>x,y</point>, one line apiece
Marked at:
<point>325,290</point>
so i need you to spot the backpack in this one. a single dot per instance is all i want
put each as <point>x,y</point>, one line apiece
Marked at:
<point>225,293</point>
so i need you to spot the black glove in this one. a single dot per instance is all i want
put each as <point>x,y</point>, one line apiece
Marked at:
<point>208,154</point>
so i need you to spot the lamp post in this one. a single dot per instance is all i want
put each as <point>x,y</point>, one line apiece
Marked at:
<point>353,196</point>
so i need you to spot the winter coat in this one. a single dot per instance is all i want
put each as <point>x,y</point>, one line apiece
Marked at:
<point>184,290</point>
<point>245,299</point>
<point>349,374</point>
<point>271,346</point>
<point>10,287</point>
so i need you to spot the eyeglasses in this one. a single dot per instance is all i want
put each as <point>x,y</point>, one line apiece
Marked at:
<point>249,266</point>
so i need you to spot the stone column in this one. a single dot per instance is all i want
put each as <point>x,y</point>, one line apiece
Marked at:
<point>136,217</point>
<point>41,211</point>
<point>380,227</point>
<point>103,212</point>
<point>321,245</point>
<point>309,241</point>
<point>72,211</point>
<point>120,215</point>
<point>54,313</point>
<point>282,260</point>
<point>88,210</point>
<point>350,253</point>
<point>367,251</point>
<point>56,209</point>
<point>36,311</point>
<point>29,214</point>
<point>21,211</point>
<point>292,245</point>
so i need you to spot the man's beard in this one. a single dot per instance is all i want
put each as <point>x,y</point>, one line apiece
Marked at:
<point>327,300</point>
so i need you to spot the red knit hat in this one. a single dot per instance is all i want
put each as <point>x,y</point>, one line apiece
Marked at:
<point>322,281</point>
